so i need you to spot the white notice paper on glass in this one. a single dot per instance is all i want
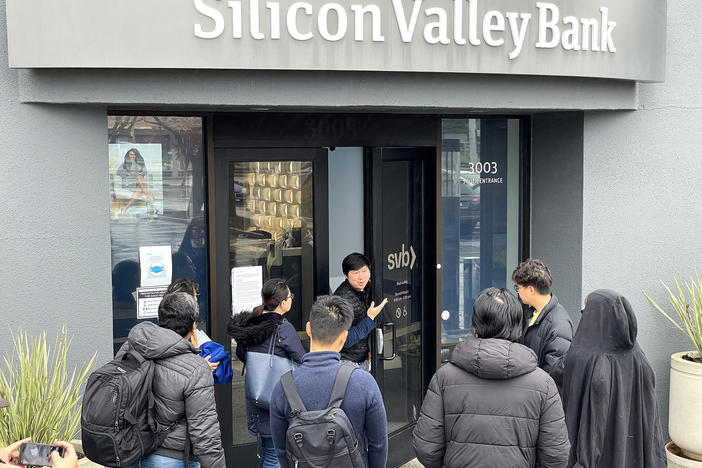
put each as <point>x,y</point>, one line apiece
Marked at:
<point>246,288</point>
<point>148,300</point>
<point>155,265</point>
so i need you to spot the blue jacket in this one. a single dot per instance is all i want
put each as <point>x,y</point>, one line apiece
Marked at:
<point>254,333</point>
<point>363,404</point>
<point>216,352</point>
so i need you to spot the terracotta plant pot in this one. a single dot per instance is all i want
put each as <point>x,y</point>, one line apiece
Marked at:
<point>685,418</point>
<point>676,460</point>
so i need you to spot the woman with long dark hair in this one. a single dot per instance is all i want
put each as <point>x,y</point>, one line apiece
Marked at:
<point>253,331</point>
<point>133,174</point>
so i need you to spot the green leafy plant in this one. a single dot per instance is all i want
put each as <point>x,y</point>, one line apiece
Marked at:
<point>686,300</point>
<point>44,398</point>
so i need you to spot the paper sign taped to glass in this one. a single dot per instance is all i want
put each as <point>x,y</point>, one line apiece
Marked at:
<point>155,265</point>
<point>246,288</point>
<point>148,300</point>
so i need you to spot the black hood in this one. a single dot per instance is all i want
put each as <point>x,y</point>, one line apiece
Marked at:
<point>493,358</point>
<point>249,329</point>
<point>608,323</point>
<point>608,389</point>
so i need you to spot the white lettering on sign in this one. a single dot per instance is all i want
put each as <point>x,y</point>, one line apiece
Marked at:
<point>586,29</point>
<point>436,25</point>
<point>402,259</point>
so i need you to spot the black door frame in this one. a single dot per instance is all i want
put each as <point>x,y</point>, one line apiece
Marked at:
<point>401,440</point>
<point>292,131</point>
<point>222,159</point>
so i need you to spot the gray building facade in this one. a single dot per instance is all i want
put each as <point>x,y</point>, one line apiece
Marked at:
<point>606,191</point>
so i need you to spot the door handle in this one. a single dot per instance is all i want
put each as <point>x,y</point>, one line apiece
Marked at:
<point>387,351</point>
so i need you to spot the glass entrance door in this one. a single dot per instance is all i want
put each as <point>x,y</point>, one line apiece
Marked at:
<point>403,246</point>
<point>270,206</point>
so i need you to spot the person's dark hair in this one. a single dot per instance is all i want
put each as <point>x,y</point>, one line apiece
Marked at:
<point>533,272</point>
<point>178,311</point>
<point>497,313</point>
<point>329,317</point>
<point>138,158</point>
<point>185,285</point>
<point>274,291</point>
<point>354,261</point>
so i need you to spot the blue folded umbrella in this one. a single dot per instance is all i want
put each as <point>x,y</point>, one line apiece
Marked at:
<point>223,373</point>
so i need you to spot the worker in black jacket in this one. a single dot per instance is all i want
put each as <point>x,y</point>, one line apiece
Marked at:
<point>356,290</point>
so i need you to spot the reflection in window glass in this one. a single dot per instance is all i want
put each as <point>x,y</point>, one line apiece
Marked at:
<point>271,225</point>
<point>157,198</point>
<point>480,226</point>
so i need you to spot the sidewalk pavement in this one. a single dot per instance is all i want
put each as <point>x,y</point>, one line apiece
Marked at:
<point>412,464</point>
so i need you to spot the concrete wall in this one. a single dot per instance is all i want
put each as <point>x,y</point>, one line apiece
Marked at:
<point>642,177</point>
<point>557,202</point>
<point>54,225</point>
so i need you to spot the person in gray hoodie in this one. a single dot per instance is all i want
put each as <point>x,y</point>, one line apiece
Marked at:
<point>183,386</point>
<point>491,406</point>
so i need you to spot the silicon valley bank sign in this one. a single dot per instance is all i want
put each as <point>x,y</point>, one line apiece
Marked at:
<point>622,39</point>
<point>572,33</point>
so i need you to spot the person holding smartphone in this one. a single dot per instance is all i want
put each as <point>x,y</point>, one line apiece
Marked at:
<point>9,456</point>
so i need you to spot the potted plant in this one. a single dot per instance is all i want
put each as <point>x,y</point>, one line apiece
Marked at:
<point>685,409</point>
<point>44,398</point>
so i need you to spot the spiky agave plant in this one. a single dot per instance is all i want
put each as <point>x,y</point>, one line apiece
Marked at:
<point>44,398</point>
<point>686,300</point>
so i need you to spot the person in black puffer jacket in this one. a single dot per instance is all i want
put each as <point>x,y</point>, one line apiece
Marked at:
<point>253,331</point>
<point>491,406</point>
<point>548,329</point>
<point>356,290</point>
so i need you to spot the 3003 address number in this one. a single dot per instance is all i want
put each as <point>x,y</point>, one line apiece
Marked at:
<point>482,168</point>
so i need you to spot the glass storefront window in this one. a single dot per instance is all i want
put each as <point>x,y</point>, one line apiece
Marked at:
<point>157,198</point>
<point>271,225</point>
<point>481,187</point>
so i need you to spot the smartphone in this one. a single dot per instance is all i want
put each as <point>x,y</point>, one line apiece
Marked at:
<point>37,454</point>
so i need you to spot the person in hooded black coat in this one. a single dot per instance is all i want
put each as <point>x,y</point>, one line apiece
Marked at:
<point>609,391</point>
<point>253,331</point>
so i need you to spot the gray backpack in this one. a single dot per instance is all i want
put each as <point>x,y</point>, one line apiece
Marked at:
<point>323,438</point>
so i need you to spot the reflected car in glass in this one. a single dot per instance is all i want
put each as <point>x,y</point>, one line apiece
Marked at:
<point>469,206</point>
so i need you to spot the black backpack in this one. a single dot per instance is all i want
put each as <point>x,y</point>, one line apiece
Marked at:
<point>117,423</point>
<point>323,438</point>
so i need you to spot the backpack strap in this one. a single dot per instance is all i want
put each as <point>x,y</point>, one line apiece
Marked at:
<point>343,375</point>
<point>293,396</point>
<point>136,355</point>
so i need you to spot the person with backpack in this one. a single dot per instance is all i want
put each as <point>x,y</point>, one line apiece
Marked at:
<point>154,404</point>
<point>323,413</point>
<point>253,332</point>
